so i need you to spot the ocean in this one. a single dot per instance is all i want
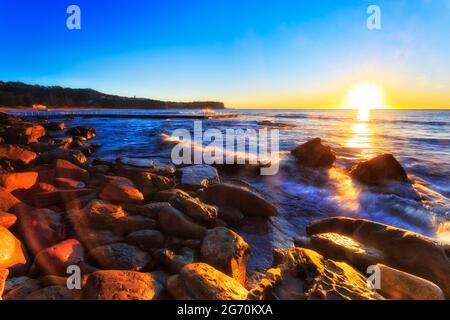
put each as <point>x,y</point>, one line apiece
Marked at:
<point>420,140</point>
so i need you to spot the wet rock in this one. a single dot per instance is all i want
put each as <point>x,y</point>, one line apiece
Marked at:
<point>69,184</point>
<point>11,253</point>
<point>3,275</point>
<point>23,133</point>
<point>199,176</point>
<point>226,251</point>
<point>305,274</point>
<point>193,207</point>
<point>82,131</point>
<point>242,198</point>
<point>402,249</point>
<point>7,200</point>
<point>174,222</point>
<point>18,180</point>
<point>379,170</point>
<point>120,256</point>
<point>314,154</point>
<point>121,285</point>
<point>52,293</point>
<point>55,259</point>
<point>7,220</point>
<point>342,248</point>
<point>175,262</point>
<point>66,169</point>
<point>230,215</point>
<point>74,156</point>
<point>206,283</point>
<point>146,239</point>
<point>18,156</point>
<point>120,189</point>
<point>54,126</point>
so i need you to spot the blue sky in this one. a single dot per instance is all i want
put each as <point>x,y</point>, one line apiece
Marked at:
<point>245,53</point>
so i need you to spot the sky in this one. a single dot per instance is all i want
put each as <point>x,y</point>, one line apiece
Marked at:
<point>248,54</point>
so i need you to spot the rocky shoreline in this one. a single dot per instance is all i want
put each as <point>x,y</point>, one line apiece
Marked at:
<point>145,231</point>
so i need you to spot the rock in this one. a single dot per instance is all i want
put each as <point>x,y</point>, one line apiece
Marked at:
<point>7,200</point>
<point>92,238</point>
<point>150,210</point>
<point>399,285</point>
<point>342,248</point>
<point>149,183</point>
<point>18,180</point>
<point>120,256</point>
<point>131,224</point>
<point>103,214</point>
<point>51,280</point>
<point>11,253</point>
<point>23,133</point>
<point>55,259</point>
<point>43,187</point>
<point>20,292</point>
<point>263,288</point>
<point>314,154</point>
<point>305,274</point>
<point>7,220</point>
<point>242,198</point>
<point>52,293</point>
<point>379,170</point>
<point>176,287</point>
<point>230,215</point>
<point>226,251</point>
<point>166,195</point>
<point>74,156</point>
<point>402,249</point>
<point>81,131</point>
<point>206,283</point>
<point>120,189</point>
<point>54,126</point>
<point>66,169</point>
<point>69,184</point>
<point>59,197</point>
<point>193,207</point>
<point>199,176</point>
<point>120,285</point>
<point>172,221</point>
<point>17,155</point>
<point>146,239</point>
<point>3,276</point>
<point>175,262</point>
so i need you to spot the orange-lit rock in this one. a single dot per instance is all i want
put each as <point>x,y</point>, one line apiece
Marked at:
<point>23,133</point>
<point>120,256</point>
<point>120,189</point>
<point>69,184</point>
<point>66,169</point>
<point>16,154</point>
<point>194,208</point>
<point>18,180</point>
<point>7,220</point>
<point>11,253</point>
<point>3,276</point>
<point>7,200</point>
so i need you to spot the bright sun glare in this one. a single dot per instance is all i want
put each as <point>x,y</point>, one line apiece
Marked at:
<point>365,96</point>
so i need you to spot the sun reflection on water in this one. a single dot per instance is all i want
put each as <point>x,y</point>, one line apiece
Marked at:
<point>361,132</point>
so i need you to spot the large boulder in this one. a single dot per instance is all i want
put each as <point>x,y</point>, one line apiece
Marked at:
<point>199,176</point>
<point>193,207</point>
<point>120,189</point>
<point>148,183</point>
<point>66,169</point>
<point>146,239</point>
<point>74,156</point>
<point>59,197</point>
<point>18,156</point>
<point>174,222</point>
<point>82,131</point>
<point>401,249</point>
<point>120,285</point>
<point>204,282</point>
<point>7,200</point>
<point>11,253</point>
<point>175,262</point>
<point>226,251</point>
<point>314,154</point>
<point>378,170</point>
<point>7,220</point>
<point>54,126</point>
<point>23,133</point>
<point>18,180</point>
<point>120,256</point>
<point>241,197</point>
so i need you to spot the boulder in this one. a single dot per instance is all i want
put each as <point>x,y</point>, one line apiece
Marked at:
<point>175,262</point>
<point>18,180</point>
<point>82,131</point>
<point>148,183</point>
<point>314,154</point>
<point>103,214</point>
<point>54,126</point>
<point>120,189</point>
<point>18,156</point>
<point>146,239</point>
<point>305,274</point>
<point>120,256</point>
<point>174,222</point>
<point>23,133</point>
<point>166,195</point>
<point>74,156</point>
<point>232,216</point>
<point>53,293</point>
<point>402,249</point>
<point>66,169</point>
<point>7,220</point>
<point>59,197</point>
<point>21,291</point>
<point>131,224</point>
<point>7,200</point>
<point>194,208</point>
<point>206,283</point>
<point>150,210</point>
<point>199,176</point>
<point>120,285</point>
<point>69,184</point>
<point>176,287</point>
<point>55,259</point>
<point>226,251</point>
<point>3,276</point>
<point>381,169</point>
<point>240,197</point>
<point>11,253</point>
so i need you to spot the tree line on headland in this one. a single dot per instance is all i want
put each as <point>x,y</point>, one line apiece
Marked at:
<point>18,94</point>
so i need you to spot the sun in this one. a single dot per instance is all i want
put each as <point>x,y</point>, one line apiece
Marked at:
<point>365,96</point>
